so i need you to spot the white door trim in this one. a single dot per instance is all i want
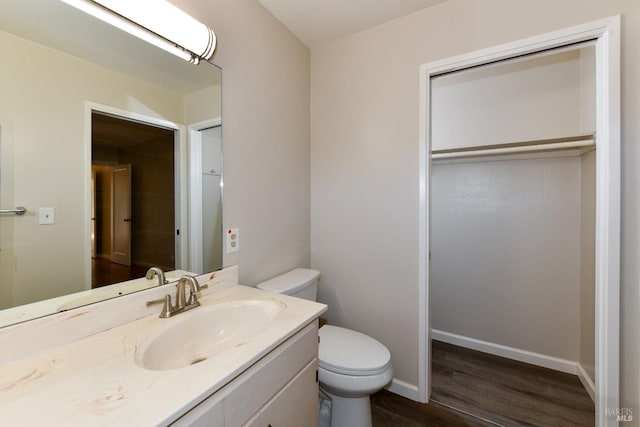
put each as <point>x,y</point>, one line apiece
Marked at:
<point>195,188</point>
<point>606,33</point>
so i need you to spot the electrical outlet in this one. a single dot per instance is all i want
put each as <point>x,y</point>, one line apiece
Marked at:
<point>233,240</point>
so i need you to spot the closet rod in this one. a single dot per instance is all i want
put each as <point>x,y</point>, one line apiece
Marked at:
<point>518,149</point>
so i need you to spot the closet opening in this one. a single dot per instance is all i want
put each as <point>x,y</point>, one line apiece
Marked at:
<point>520,222</point>
<point>512,242</point>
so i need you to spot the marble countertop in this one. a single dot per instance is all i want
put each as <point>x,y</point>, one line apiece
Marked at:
<point>26,312</point>
<point>95,380</point>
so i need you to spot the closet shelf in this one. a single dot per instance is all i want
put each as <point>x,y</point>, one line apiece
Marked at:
<point>583,142</point>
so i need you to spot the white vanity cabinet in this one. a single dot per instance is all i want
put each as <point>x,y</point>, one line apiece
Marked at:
<point>293,405</point>
<point>279,390</point>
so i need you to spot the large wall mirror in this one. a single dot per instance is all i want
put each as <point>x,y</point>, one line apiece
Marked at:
<point>113,146</point>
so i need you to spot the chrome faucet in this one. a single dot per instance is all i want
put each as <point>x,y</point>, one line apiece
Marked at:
<point>194,288</point>
<point>156,271</point>
<point>182,304</point>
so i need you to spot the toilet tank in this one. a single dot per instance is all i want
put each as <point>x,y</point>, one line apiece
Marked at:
<point>301,283</point>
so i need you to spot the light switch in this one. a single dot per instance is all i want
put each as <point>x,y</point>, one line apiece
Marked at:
<point>233,240</point>
<point>47,216</point>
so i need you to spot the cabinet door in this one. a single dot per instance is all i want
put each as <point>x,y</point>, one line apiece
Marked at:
<point>296,404</point>
<point>291,366</point>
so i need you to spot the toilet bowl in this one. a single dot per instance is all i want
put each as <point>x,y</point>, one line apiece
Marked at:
<point>352,365</point>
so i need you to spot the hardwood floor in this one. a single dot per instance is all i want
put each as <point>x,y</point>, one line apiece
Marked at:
<point>391,410</point>
<point>104,272</point>
<point>471,388</point>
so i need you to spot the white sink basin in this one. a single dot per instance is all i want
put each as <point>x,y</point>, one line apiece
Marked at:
<point>205,332</point>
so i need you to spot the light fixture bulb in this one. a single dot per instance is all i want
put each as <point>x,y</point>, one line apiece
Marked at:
<point>157,22</point>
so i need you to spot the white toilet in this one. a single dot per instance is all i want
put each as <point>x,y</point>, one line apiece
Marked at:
<point>352,365</point>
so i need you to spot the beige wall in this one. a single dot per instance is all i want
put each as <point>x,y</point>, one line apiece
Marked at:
<point>198,105</point>
<point>265,107</point>
<point>364,161</point>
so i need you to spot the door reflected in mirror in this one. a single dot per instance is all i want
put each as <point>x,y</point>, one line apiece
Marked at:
<point>133,225</point>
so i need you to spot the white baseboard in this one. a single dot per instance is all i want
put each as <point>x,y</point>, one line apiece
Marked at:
<point>404,389</point>
<point>587,382</point>
<point>526,356</point>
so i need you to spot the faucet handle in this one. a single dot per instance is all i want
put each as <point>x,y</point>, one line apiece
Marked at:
<point>167,308</point>
<point>193,297</point>
<point>155,302</point>
<point>194,288</point>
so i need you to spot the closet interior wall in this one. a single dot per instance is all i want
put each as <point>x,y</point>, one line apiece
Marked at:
<point>512,243</point>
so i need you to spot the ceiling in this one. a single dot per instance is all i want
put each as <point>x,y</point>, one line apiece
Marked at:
<point>317,21</point>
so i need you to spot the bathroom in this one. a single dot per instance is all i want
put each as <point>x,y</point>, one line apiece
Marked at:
<point>317,179</point>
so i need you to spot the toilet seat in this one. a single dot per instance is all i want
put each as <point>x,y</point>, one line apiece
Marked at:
<point>353,385</point>
<point>347,352</point>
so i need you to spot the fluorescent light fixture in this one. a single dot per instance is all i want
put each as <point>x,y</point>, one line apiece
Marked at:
<point>157,22</point>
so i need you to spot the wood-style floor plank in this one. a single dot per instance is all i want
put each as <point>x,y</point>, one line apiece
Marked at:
<point>391,410</point>
<point>496,390</point>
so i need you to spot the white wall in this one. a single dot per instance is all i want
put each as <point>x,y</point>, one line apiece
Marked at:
<point>505,253</point>
<point>265,105</point>
<point>364,161</point>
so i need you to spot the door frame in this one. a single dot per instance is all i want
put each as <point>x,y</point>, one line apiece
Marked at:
<point>180,176</point>
<point>606,33</point>
<point>196,255</point>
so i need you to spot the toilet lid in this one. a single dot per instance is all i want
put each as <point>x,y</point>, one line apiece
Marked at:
<point>291,282</point>
<point>348,352</point>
